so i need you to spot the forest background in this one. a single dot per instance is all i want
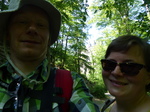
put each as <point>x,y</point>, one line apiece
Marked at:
<point>76,49</point>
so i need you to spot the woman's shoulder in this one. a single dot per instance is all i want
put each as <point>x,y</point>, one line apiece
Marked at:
<point>107,105</point>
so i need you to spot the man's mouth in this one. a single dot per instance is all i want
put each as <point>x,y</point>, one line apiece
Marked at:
<point>30,41</point>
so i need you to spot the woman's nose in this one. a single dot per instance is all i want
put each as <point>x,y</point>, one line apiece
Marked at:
<point>117,71</point>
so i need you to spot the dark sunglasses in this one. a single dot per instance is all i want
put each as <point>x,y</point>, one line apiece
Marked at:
<point>12,105</point>
<point>127,68</point>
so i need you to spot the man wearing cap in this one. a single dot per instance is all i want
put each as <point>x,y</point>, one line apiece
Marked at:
<point>27,29</point>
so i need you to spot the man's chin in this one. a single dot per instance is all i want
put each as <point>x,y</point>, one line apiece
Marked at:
<point>30,55</point>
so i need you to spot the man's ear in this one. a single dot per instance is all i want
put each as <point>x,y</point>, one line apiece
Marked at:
<point>49,43</point>
<point>49,40</point>
<point>7,37</point>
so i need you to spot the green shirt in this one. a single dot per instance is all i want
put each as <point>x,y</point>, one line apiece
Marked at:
<point>81,99</point>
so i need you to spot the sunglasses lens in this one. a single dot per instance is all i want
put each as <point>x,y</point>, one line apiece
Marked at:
<point>13,89</point>
<point>131,69</point>
<point>14,85</point>
<point>10,105</point>
<point>108,65</point>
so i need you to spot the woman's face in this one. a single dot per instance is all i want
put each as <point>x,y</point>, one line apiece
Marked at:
<point>122,85</point>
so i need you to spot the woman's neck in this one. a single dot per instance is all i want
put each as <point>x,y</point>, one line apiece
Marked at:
<point>141,104</point>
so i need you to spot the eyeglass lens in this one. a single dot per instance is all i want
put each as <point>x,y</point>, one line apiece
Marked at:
<point>12,104</point>
<point>126,68</point>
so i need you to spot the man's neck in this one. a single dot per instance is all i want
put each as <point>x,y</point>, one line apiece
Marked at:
<point>26,66</point>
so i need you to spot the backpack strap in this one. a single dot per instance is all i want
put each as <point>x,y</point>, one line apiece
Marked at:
<point>60,82</point>
<point>107,104</point>
<point>47,93</point>
<point>61,86</point>
<point>64,80</point>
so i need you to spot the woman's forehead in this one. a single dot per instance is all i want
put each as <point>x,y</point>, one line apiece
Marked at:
<point>134,53</point>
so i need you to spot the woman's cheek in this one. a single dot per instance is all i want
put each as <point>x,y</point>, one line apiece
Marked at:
<point>105,73</point>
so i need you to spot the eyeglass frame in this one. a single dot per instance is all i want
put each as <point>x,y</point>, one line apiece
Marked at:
<point>14,94</point>
<point>121,67</point>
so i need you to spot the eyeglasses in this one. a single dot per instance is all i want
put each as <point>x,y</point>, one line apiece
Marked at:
<point>127,68</point>
<point>12,105</point>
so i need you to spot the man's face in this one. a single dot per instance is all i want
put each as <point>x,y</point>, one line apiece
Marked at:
<point>29,33</point>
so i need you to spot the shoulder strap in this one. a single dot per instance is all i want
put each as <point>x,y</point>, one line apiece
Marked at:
<point>64,80</point>
<point>47,93</point>
<point>107,104</point>
<point>62,86</point>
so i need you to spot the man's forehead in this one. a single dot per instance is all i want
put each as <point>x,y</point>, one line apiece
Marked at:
<point>30,8</point>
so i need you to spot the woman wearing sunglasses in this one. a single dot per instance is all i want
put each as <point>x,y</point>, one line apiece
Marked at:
<point>126,74</point>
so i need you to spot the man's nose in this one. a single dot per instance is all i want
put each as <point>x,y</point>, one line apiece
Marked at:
<point>32,28</point>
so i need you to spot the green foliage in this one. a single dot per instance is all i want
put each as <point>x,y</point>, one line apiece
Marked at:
<point>4,4</point>
<point>97,53</point>
<point>123,16</point>
<point>98,91</point>
<point>112,17</point>
<point>96,87</point>
<point>70,48</point>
